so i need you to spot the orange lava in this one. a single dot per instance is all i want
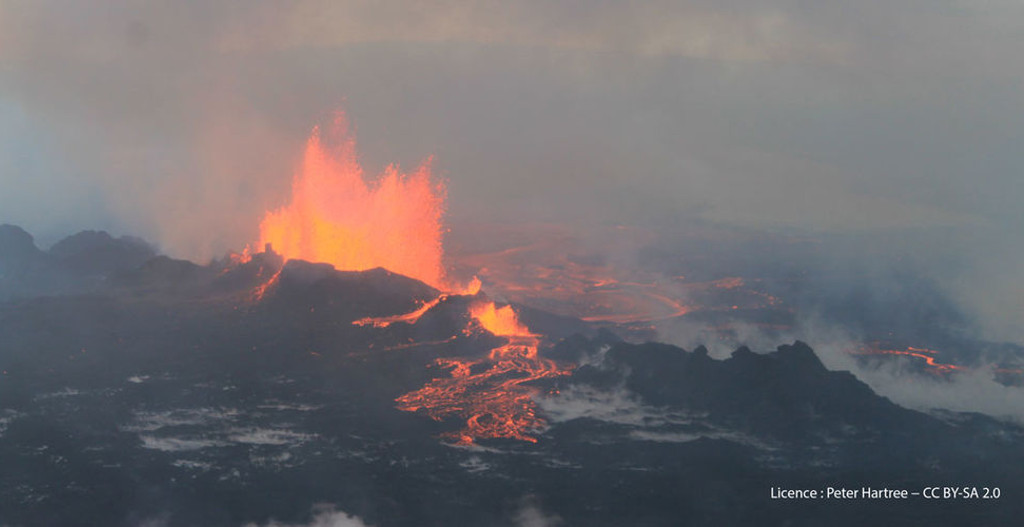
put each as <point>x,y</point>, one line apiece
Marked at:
<point>338,218</point>
<point>492,393</point>
<point>413,316</point>
<point>408,318</point>
<point>670,308</point>
<point>501,321</point>
<point>242,258</point>
<point>925,354</point>
<point>731,282</point>
<point>259,291</point>
<point>571,271</point>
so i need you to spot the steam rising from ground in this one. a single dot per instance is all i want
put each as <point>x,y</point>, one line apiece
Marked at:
<point>530,514</point>
<point>973,389</point>
<point>323,516</point>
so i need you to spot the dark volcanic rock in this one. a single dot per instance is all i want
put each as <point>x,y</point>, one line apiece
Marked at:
<point>232,393</point>
<point>16,244</point>
<point>78,264</point>
<point>160,270</point>
<point>24,269</point>
<point>346,295</point>
<point>98,253</point>
<point>786,397</point>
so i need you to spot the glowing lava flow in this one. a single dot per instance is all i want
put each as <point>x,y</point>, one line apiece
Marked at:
<point>491,394</point>
<point>408,318</point>
<point>921,353</point>
<point>337,218</point>
<point>413,316</point>
<point>261,290</point>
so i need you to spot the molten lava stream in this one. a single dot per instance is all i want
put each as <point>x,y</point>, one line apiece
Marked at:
<point>927,355</point>
<point>490,393</point>
<point>409,318</point>
<point>413,316</point>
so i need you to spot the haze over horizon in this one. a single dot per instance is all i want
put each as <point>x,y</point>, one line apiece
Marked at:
<point>897,126</point>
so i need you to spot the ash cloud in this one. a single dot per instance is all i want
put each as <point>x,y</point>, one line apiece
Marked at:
<point>183,123</point>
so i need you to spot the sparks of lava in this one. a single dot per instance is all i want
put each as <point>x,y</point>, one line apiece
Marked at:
<point>336,217</point>
<point>492,393</point>
<point>927,355</point>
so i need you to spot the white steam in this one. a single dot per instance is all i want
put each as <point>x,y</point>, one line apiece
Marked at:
<point>323,516</point>
<point>531,515</point>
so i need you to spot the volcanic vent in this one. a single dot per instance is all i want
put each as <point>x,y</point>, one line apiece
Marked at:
<point>335,216</point>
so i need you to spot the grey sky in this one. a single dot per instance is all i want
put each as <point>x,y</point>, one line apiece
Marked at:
<point>182,121</point>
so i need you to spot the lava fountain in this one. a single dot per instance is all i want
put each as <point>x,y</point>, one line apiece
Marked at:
<point>336,217</point>
<point>394,222</point>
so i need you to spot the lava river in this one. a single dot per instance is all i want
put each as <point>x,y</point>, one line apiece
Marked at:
<point>492,394</point>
